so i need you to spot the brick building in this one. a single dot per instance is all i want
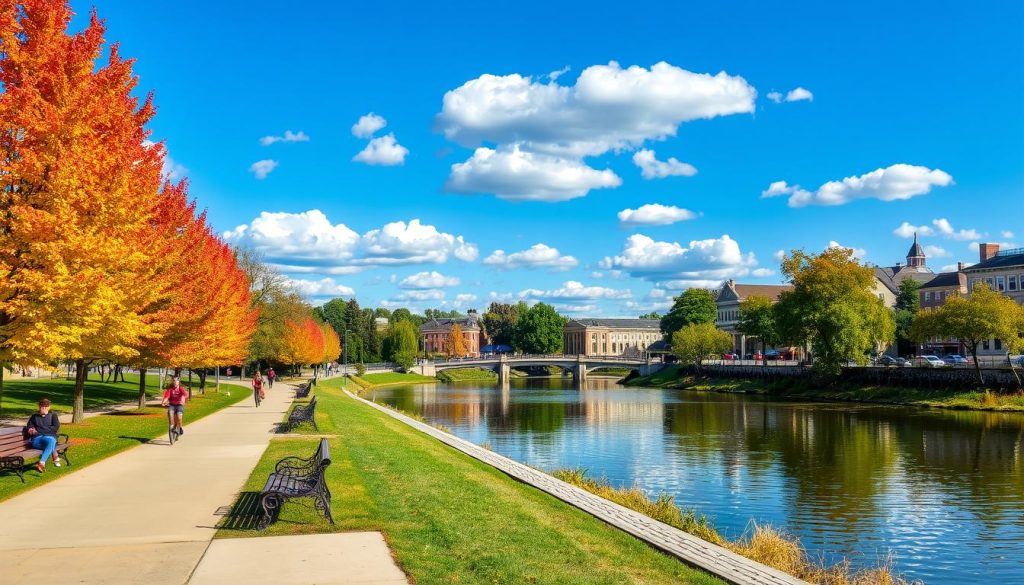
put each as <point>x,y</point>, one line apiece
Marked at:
<point>434,335</point>
<point>610,337</point>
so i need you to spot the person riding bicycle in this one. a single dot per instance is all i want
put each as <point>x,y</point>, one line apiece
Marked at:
<point>175,398</point>
<point>257,386</point>
<point>270,377</point>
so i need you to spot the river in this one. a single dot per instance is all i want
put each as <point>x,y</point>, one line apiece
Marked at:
<point>941,491</point>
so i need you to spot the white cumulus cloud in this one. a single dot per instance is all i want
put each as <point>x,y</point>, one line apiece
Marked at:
<point>652,168</point>
<point>325,288</point>
<point>713,259</point>
<point>518,175</point>
<point>262,168</point>
<point>288,136</point>
<point>419,295</point>
<point>907,230</point>
<point>575,291</point>
<point>383,151</point>
<point>944,228</point>
<point>429,280</point>
<point>368,125</point>
<point>775,96</point>
<point>536,256</point>
<point>309,242</point>
<point>1006,234</point>
<point>896,182</point>
<point>859,253</point>
<point>799,94</point>
<point>654,214</point>
<point>932,251</point>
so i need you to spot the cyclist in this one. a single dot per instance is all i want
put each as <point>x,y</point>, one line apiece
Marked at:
<point>175,398</point>
<point>270,378</point>
<point>257,387</point>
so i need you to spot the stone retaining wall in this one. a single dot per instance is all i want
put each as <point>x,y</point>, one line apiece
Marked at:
<point>958,378</point>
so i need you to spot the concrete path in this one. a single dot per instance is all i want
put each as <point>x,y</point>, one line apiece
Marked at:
<point>143,516</point>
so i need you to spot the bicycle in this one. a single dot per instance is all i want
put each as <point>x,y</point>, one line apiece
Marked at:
<point>172,434</point>
<point>256,396</point>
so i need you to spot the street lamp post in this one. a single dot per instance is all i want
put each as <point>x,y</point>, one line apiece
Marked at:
<point>344,352</point>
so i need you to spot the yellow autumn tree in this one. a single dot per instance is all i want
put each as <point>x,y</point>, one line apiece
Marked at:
<point>80,182</point>
<point>455,343</point>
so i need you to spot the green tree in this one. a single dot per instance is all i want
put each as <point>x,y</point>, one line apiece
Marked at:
<point>370,336</point>
<point>833,308</point>
<point>499,323</point>
<point>539,330</point>
<point>757,319</point>
<point>695,305</point>
<point>986,315</point>
<point>653,316</point>
<point>401,343</point>
<point>908,303</point>
<point>694,343</point>
<point>333,313</point>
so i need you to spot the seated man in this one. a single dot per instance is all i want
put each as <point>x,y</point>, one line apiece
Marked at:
<point>42,430</point>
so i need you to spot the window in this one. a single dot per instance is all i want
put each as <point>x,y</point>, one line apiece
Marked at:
<point>1000,283</point>
<point>998,344</point>
<point>984,345</point>
<point>991,283</point>
<point>927,296</point>
<point>1011,282</point>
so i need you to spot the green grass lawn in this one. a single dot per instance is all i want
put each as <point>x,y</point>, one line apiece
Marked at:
<point>387,378</point>
<point>104,435</point>
<point>22,394</point>
<point>448,517</point>
<point>467,374</point>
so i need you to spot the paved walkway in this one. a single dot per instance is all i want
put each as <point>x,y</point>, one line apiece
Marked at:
<point>143,516</point>
<point>692,550</point>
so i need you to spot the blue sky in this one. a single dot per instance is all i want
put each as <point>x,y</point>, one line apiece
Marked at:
<point>920,104</point>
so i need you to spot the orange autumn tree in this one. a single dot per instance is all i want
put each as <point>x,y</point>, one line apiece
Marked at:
<point>303,343</point>
<point>332,344</point>
<point>79,190</point>
<point>455,343</point>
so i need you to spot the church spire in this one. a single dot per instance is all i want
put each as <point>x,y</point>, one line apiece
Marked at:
<point>916,257</point>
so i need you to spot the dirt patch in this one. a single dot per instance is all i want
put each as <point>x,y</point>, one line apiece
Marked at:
<point>81,441</point>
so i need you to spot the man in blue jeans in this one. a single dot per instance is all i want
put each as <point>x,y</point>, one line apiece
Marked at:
<point>42,430</point>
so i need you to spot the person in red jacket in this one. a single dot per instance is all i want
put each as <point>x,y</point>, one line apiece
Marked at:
<point>175,398</point>
<point>270,377</point>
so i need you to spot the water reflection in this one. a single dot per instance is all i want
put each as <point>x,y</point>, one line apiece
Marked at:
<point>943,490</point>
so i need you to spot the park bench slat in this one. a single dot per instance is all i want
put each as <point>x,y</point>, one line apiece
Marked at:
<point>295,477</point>
<point>302,413</point>
<point>14,448</point>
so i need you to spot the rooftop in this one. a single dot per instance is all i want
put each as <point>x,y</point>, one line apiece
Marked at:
<point>619,323</point>
<point>945,279</point>
<point>1002,259</point>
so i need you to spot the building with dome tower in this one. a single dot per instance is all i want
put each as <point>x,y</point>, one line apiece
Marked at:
<point>888,278</point>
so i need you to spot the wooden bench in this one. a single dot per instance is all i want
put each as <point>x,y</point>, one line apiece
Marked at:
<point>302,413</point>
<point>303,390</point>
<point>15,448</point>
<point>295,477</point>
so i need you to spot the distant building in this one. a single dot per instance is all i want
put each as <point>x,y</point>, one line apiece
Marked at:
<point>434,334</point>
<point>381,323</point>
<point>1002,271</point>
<point>888,278</point>
<point>729,298</point>
<point>933,294</point>
<point>610,337</point>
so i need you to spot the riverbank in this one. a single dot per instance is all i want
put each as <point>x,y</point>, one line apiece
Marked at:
<point>448,517</point>
<point>468,375</point>
<point>839,391</point>
<point>371,381</point>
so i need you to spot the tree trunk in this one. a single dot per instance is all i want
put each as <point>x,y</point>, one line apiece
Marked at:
<point>190,383</point>
<point>977,366</point>
<point>1,388</point>
<point>218,378</point>
<point>202,380</point>
<point>120,370</point>
<point>78,410</point>
<point>142,388</point>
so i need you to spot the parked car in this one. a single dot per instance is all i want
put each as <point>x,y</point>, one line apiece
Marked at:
<point>931,361</point>
<point>955,360</point>
<point>771,354</point>
<point>758,356</point>
<point>886,360</point>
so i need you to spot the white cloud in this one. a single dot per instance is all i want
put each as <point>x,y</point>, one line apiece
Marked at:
<point>501,297</point>
<point>945,228</point>
<point>319,289</point>
<point>554,75</point>
<point>518,175</point>
<point>262,168</point>
<point>608,108</point>
<point>289,136</point>
<point>536,256</point>
<point>896,182</point>
<point>597,274</point>
<point>464,298</point>
<point>415,243</point>
<point>975,246</point>
<point>654,214</point>
<point>384,151</point>
<point>859,253</point>
<point>565,308</point>
<point>799,94</point>
<point>575,291</point>
<point>420,295</point>
<point>705,260</point>
<point>368,125</point>
<point>907,230</point>
<point>171,170</point>
<point>652,168</point>
<point>429,280</point>
<point>679,285</point>
<point>762,272</point>
<point>954,267</point>
<point>1006,233</point>
<point>779,255</point>
<point>935,252</point>
<point>775,97</point>
<point>308,242</point>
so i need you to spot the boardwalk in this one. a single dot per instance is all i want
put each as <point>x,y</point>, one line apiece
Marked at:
<point>688,548</point>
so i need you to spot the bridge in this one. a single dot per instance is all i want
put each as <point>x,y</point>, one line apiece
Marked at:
<point>578,365</point>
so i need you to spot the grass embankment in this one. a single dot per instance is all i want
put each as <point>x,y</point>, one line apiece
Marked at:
<point>671,377</point>
<point>101,436</point>
<point>21,395</point>
<point>448,517</point>
<point>765,544</point>
<point>468,375</point>
<point>368,381</point>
